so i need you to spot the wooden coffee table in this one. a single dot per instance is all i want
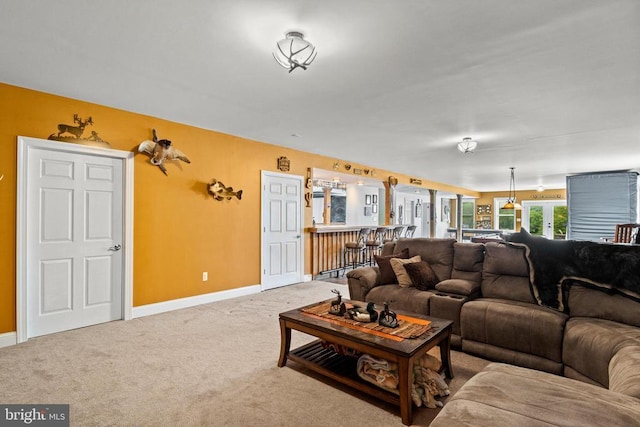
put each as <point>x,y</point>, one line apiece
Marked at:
<point>343,368</point>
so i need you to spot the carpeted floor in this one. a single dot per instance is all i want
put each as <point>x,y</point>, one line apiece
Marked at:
<point>211,365</point>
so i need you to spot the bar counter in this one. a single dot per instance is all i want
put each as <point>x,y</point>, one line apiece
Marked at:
<point>327,245</point>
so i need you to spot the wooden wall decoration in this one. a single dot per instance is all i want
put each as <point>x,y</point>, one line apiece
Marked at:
<point>284,164</point>
<point>73,133</point>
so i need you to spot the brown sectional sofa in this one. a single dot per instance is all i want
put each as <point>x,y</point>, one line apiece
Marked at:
<point>485,289</point>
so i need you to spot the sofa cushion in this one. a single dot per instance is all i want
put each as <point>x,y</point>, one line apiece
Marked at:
<point>505,273</point>
<point>402,277</point>
<point>585,302</point>
<point>457,286</point>
<point>624,371</point>
<point>422,275</point>
<point>467,261</point>
<point>408,299</point>
<point>437,252</point>
<point>589,344</point>
<point>521,327</point>
<point>504,395</point>
<point>387,275</point>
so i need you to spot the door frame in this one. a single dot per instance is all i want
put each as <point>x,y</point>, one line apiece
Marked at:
<point>25,144</point>
<point>263,222</point>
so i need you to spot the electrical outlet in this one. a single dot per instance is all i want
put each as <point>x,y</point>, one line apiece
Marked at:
<point>205,276</point>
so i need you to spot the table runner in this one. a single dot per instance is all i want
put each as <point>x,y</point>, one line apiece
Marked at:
<point>409,327</point>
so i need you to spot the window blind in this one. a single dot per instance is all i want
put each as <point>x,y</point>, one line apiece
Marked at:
<point>598,201</point>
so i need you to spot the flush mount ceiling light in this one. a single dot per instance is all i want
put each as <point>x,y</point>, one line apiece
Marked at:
<point>467,145</point>
<point>294,51</point>
<point>511,200</point>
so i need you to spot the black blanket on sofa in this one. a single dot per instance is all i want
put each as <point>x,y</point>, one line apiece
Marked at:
<point>609,267</point>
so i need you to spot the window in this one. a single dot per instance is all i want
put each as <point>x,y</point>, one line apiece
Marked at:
<point>505,218</point>
<point>468,213</point>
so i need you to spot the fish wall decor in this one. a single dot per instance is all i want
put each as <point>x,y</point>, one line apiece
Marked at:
<point>220,192</point>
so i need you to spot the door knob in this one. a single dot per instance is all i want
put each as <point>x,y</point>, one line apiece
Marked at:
<point>115,248</point>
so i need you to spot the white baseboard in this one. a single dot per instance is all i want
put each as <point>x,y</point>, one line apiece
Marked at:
<point>307,278</point>
<point>7,339</point>
<point>177,304</point>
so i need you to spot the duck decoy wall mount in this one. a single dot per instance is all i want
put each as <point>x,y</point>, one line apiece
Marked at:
<point>160,150</point>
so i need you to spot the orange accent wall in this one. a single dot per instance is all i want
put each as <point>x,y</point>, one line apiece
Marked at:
<point>179,230</point>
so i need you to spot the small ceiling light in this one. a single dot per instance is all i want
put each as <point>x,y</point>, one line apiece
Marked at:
<point>511,200</point>
<point>467,145</point>
<point>294,51</point>
<point>540,189</point>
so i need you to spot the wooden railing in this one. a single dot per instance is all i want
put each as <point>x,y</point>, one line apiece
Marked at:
<point>327,247</point>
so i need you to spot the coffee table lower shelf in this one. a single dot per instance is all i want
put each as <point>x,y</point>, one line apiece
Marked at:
<point>338,367</point>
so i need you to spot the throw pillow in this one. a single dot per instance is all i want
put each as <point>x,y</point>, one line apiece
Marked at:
<point>422,275</point>
<point>401,273</point>
<point>384,264</point>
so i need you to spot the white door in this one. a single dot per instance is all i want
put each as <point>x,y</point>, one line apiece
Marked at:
<point>282,248</point>
<point>540,218</point>
<point>74,236</point>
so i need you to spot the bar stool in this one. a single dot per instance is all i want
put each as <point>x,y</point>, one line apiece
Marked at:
<point>410,230</point>
<point>397,233</point>
<point>356,249</point>
<point>373,245</point>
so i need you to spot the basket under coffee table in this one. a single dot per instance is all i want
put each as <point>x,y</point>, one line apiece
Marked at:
<point>376,342</point>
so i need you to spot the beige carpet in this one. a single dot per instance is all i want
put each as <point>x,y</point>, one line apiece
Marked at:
<point>211,365</point>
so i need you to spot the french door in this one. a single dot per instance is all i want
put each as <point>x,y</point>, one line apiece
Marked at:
<point>545,218</point>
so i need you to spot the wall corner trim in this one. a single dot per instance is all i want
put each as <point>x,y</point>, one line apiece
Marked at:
<point>177,304</point>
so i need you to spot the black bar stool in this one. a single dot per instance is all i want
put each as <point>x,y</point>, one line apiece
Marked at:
<point>355,250</point>
<point>410,230</point>
<point>374,245</point>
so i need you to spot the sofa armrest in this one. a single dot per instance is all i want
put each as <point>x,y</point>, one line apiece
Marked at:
<point>624,371</point>
<point>361,281</point>
<point>460,287</point>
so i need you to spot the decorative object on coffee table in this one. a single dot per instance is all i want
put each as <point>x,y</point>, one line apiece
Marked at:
<point>387,317</point>
<point>362,313</point>
<point>337,306</point>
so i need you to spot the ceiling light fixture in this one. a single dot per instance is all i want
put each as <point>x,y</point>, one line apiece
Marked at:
<point>511,200</point>
<point>467,145</point>
<point>294,51</point>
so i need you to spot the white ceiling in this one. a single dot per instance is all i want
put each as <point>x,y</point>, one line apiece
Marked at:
<point>551,87</point>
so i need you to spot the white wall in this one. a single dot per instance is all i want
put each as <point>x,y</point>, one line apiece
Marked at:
<point>356,195</point>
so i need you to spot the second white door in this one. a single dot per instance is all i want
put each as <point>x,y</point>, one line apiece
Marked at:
<point>282,249</point>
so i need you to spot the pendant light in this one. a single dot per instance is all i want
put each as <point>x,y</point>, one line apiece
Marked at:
<point>511,200</point>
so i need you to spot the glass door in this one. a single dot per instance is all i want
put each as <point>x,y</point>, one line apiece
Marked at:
<point>546,219</point>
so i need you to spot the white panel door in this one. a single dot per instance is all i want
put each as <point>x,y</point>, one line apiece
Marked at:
<point>282,249</point>
<point>74,236</point>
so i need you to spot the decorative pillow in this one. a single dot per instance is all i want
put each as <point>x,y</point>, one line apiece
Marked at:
<point>422,275</point>
<point>387,274</point>
<point>401,273</point>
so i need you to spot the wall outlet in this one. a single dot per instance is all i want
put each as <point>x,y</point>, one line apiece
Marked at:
<point>205,276</point>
